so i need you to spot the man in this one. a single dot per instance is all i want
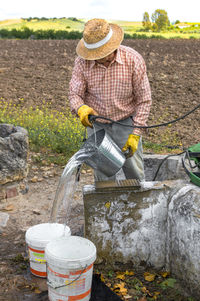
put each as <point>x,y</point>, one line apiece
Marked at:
<point>110,80</point>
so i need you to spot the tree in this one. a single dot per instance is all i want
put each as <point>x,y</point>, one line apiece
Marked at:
<point>160,18</point>
<point>146,21</point>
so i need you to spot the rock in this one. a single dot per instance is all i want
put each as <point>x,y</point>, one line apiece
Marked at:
<point>34,179</point>
<point>12,191</point>
<point>34,168</point>
<point>9,208</point>
<point>13,153</point>
<point>36,211</point>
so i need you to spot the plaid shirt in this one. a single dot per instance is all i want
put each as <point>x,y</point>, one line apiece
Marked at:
<point>118,91</point>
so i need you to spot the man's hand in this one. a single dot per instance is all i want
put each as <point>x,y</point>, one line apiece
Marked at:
<point>131,145</point>
<point>83,113</point>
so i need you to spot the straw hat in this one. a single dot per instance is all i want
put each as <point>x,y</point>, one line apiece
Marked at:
<point>99,39</point>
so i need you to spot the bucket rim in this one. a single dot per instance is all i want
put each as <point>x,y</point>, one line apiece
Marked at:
<point>71,262</point>
<point>42,242</point>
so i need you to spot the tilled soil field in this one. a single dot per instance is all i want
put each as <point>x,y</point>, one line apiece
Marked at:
<point>35,71</point>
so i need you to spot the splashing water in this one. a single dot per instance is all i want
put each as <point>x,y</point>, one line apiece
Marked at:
<point>67,185</point>
<point>108,159</point>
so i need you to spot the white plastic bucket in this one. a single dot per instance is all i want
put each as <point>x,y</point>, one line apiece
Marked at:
<point>70,268</point>
<point>37,237</point>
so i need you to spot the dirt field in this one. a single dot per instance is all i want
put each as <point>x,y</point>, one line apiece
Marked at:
<point>33,71</point>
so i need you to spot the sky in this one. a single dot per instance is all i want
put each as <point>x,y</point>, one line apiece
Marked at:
<point>127,10</point>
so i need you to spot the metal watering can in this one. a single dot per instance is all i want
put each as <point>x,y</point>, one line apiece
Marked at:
<point>107,156</point>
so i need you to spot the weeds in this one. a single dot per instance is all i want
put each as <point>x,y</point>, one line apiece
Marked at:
<point>48,129</point>
<point>56,136</point>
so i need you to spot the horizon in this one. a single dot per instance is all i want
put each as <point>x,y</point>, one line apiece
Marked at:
<point>82,18</point>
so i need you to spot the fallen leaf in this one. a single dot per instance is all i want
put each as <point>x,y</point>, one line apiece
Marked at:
<point>107,205</point>
<point>146,291</point>
<point>164,274</point>
<point>155,296</point>
<point>37,291</point>
<point>129,273</point>
<point>120,275</point>
<point>102,278</point>
<point>119,288</point>
<point>149,277</point>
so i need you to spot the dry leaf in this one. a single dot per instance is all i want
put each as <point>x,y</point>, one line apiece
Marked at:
<point>102,278</point>
<point>120,275</point>
<point>149,277</point>
<point>37,291</point>
<point>119,288</point>
<point>164,274</point>
<point>155,296</point>
<point>107,205</point>
<point>146,291</point>
<point>129,273</point>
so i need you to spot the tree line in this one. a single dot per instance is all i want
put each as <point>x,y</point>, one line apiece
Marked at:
<point>160,21</point>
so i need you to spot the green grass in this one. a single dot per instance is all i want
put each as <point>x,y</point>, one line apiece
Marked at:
<point>57,24</point>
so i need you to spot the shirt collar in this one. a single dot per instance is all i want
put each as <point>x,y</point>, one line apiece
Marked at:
<point>118,59</point>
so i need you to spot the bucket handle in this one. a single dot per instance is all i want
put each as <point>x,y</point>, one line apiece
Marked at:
<point>63,285</point>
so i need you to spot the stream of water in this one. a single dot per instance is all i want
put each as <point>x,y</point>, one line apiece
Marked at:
<point>67,186</point>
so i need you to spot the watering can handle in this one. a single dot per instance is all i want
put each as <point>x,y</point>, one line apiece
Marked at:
<point>91,118</point>
<point>127,153</point>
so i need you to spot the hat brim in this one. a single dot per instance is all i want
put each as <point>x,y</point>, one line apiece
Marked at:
<point>103,51</point>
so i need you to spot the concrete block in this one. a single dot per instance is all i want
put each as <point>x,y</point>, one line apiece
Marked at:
<point>171,168</point>
<point>128,225</point>
<point>157,225</point>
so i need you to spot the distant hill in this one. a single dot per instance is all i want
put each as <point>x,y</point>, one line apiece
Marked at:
<point>68,24</point>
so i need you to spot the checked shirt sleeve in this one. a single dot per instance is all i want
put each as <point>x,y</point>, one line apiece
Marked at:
<point>77,86</point>
<point>142,94</point>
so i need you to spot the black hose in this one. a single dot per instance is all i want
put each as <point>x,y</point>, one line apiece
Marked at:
<point>164,161</point>
<point>92,118</point>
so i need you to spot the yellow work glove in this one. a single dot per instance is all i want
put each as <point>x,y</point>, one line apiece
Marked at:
<point>83,113</point>
<point>131,145</point>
